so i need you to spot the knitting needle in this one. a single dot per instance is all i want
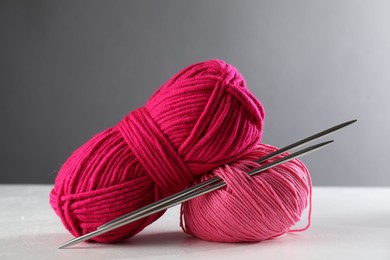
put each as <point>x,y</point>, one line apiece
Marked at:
<point>190,196</point>
<point>216,179</point>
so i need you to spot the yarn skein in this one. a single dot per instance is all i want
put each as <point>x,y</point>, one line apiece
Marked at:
<point>200,119</point>
<point>250,208</point>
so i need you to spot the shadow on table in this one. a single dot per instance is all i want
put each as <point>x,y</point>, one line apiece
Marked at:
<point>177,239</point>
<point>44,246</point>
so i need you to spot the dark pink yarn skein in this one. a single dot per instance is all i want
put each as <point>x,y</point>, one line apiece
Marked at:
<point>200,119</point>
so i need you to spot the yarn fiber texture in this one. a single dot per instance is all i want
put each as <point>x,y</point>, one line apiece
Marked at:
<point>202,118</point>
<point>250,208</point>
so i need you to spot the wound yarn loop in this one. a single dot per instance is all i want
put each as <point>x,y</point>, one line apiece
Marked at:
<point>200,119</point>
<point>169,167</point>
<point>250,208</point>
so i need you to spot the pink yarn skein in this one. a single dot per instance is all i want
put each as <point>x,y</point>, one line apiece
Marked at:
<point>200,119</point>
<point>250,208</point>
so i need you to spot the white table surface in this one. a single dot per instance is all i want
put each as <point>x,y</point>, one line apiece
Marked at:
<point>347,223</point>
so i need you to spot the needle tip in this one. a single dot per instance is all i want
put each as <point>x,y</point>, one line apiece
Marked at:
<point>349,122</point>
<point>62,246</point>
<point>71,242</point>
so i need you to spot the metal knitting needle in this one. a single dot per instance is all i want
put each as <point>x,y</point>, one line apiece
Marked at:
<point>216,179</point>
<point>220,184</point>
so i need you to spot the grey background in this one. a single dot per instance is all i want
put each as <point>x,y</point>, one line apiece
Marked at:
<point>70,69</point>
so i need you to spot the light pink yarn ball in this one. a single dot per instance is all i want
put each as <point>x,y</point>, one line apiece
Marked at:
<point>250,208</point>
